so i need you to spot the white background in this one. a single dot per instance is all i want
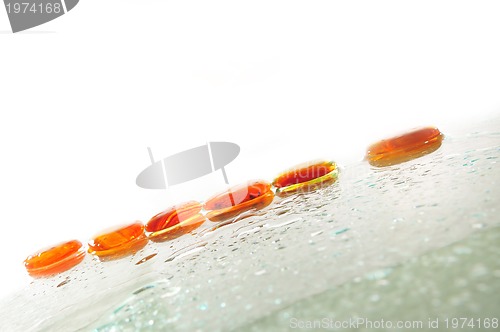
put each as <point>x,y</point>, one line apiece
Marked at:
<point>83,96</point>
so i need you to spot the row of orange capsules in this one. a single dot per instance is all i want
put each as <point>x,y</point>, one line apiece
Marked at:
<point>184,218</point>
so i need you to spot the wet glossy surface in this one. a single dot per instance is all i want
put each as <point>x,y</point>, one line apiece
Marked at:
<point>454,281</point>
<point>118,242</point>
<point>405,147</point>
<point>172,216</point>
<point>55,259</point>
<point>250,195</point>
<point>340,249</point>
<point>306,177</point>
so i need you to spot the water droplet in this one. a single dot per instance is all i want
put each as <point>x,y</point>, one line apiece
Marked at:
<point>462,250</point>
<point>145,259</point>
<point>285,223</point>
<point>479,270</point>
<point>142,289</point>
<point>382,282</point>
<point>340,231</point>
<point>259,273</point>
<point>379,274</point>
<point>189,250</point>
<point>316,233</point>
<point>63,282</point>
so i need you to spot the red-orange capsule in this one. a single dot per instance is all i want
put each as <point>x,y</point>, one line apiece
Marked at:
<point>184,227</point>
<point>405,147</point>
<point>175,221</point>
<point>250,195</point>
<point>119,241</point>
<point>173,215</point>
<point>306,177</point>
<point>55,259</point>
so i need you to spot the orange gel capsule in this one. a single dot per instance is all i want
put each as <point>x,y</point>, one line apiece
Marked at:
<point>405,147</point>
<point>230,203</point>
<point>184,227</point>
<point>306,177</point>
<point>56,259</point>
<point>173,216</point>
<point>119,242</point>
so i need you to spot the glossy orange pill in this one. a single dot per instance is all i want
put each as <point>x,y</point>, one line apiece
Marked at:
<point>173,215</point>
<point>228,204</point>
<point>175,221</point>
<point>404,147</point>
<point>55,259</point>
<point>119,241</point>
<point>184,227</point>
<point>306,177</point>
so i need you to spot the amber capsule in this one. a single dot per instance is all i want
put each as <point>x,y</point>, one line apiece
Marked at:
<point>405,147</point>
<point>306,177</point>
<point>184,227</point>
<point>175,221</point>
<point>230,203</point>
<point>55,259</point>
<point>119,241</point>
<point>173,215</point>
